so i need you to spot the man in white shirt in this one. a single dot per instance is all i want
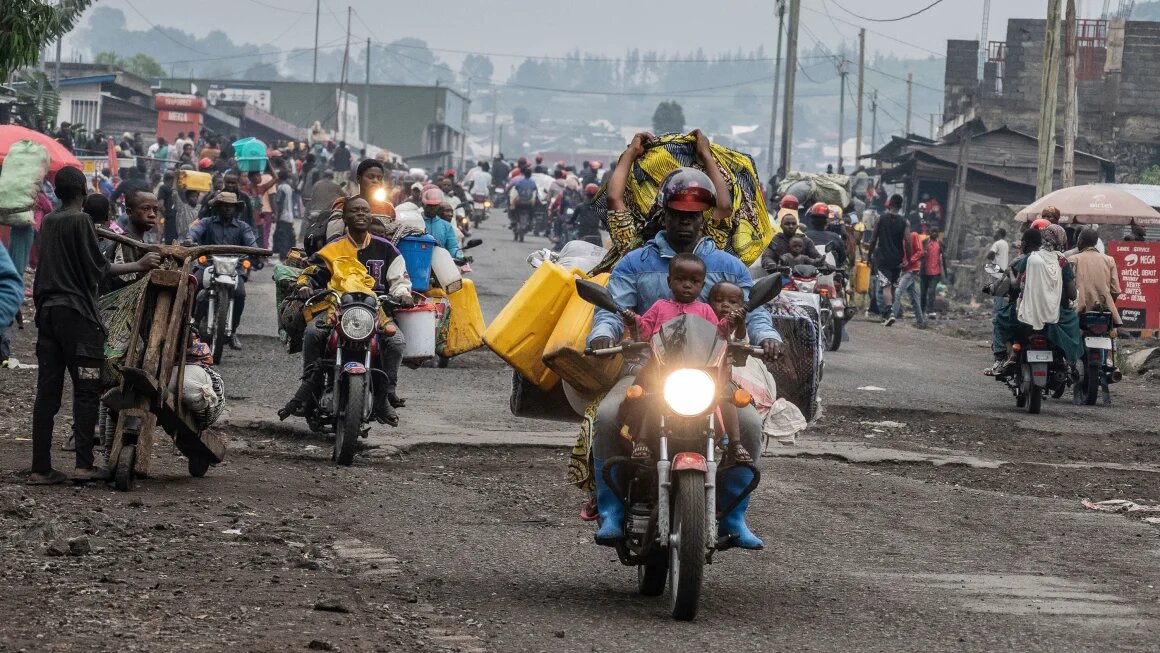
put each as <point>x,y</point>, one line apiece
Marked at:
<point>1000,252</point>
<point>478,182</point>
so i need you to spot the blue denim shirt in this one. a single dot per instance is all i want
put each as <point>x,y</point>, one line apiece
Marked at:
<point>642,277</point>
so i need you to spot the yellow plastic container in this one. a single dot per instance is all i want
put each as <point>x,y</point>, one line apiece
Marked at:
<point>564,352</point>
<point>194,180</point>
<point>522,329</point>
<point>466,327</point>
<point>861,277</point>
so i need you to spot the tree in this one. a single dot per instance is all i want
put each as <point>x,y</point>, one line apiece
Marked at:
<point>140,64</point>
<point>28,25</point>
<point>477,67</point>
<point>668,118</point>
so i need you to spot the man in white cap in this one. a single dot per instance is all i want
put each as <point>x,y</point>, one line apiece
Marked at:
<point>409,210</point>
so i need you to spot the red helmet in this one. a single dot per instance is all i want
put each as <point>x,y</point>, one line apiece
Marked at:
<point>449,173</point>
<point>688,189</point>
<point>205,164</point>
<point>539,158</point>
<point>820,208</point>
<point>591,189</point>
<point>1040,224</point>
<point>789,202</point>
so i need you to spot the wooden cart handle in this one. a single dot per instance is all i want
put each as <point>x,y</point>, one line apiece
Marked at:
<point>181,252</point>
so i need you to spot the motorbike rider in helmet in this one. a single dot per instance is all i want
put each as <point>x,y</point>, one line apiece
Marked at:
<point>639,280</point>
<point>818,217</point>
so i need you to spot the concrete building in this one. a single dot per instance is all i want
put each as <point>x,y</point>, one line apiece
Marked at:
<point>106,98</point>
<point>423,124</point>
<point>1118,94</point>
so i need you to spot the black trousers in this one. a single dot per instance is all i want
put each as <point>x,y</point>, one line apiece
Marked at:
<point>66,341</point>
<point>929,287</point>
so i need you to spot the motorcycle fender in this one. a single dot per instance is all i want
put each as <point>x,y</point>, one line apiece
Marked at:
<point>1039,374</point>
<point>354,367</point>
<point>689,460</point>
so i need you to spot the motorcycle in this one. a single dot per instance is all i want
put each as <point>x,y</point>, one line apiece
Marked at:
<point>346,401</point>
<point>480,205</point>
<point>521,220</point>
<point>541,224</point>
<point>1041,368</point>
<point>671,521</point>
<point>219,279</point>
<point>499,198</point>
<point>464,224</point>
<point>830,284</point>
<point>1099,343</point>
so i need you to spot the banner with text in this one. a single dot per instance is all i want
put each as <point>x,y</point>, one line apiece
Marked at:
<point>1138,264</point>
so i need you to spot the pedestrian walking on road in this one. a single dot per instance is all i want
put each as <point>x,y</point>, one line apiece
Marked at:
<point>933,266</point>
<point>70,333</point>
<point>889,250</point>
<point>909,282</point>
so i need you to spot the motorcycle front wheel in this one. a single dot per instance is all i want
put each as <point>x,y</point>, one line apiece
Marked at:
<point>687,546</point>
<point>350,420</point>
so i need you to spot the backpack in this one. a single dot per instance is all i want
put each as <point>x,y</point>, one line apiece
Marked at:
<point>526,192</point>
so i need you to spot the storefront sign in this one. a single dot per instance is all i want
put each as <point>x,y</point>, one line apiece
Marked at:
<point>1138,264</point>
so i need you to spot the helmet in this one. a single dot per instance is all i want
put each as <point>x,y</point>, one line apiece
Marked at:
<point>539,158</point>
<point>688,189</point>
<point>591,189</point>
<point>789,202</point>
<point>205,163</point>
<point>819,208</point>
<point>922,206</point>
<point>522,161</point>
<point>1040,224</point>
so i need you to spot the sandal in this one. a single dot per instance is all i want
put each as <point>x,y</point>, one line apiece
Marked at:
<point>741,454</point>
<point>641,451</point>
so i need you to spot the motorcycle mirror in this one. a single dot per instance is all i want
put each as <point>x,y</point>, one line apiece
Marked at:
<point>764,291</point>
<point>474,242</point>
<point>597,295</point>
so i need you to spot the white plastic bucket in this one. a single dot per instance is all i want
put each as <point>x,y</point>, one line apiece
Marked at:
<point>418,327</point>
<point>446,272</point>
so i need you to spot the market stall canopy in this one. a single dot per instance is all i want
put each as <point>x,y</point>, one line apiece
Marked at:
<point>60,157</point>
<point>1093,204</point>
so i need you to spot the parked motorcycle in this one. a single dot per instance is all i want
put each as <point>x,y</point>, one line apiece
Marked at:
<point>219,280</point>
<point>1099,344</point>
<point>346,402</point>
<point>671,502</point>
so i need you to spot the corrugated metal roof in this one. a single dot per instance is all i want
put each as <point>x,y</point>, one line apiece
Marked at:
<point>1146,193</point>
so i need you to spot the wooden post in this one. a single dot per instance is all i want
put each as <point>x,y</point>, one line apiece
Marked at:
<point>909,94</point>
<point>1049,92</point>
<point>776,89</point>
<point>861,84</point>
<point>791,63</point>
<point>955,220</point>
<point>1070,101</point>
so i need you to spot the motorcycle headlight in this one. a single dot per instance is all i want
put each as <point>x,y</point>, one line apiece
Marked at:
<point>357,322</point>
<point>225,264</point>
<point>689,392</point>
<point>487,205</point>
<point>380,194</point>
<point>806,286</point>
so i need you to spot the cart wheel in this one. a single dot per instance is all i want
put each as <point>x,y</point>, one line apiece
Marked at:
<point>125,476</point>
<point>198,466</point>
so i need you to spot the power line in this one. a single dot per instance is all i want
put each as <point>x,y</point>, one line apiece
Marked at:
<point>903,79</point>
<point>886,20</point>
<point>941,55</point>
<point>283,9</point>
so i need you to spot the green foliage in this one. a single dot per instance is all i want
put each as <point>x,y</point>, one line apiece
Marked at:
<point>28,25</point>
<point>1151,175</point>
<point>140,64</point>
<point>669,118</point>
<point>36,97</point>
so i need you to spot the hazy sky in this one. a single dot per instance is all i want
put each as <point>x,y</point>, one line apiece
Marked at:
<point>604,26</point>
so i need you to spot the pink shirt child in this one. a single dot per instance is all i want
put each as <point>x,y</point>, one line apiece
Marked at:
<point>666,309</point>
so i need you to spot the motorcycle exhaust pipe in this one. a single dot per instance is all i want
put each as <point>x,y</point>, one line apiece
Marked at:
<point>1117,376</point>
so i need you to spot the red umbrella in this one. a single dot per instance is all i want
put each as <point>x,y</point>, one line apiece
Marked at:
<point>61,157</point>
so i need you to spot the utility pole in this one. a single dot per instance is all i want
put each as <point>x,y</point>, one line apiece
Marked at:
<point>790,75</point>
<point>909,95</point>
<point>317,15</point>
<point>861,106</point>
<point>1048,96</point>
<point>1070,101</point>
<point>843,70</point>
<point>364,112</point>
<point>776,88</point>
<point>342,84</point>
<point>494,111</point>
<point>874,121</point>
<point>932,126</point>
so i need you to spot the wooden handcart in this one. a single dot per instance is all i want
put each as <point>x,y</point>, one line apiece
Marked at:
<point>156,354</point>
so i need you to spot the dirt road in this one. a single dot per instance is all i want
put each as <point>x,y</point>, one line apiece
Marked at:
<point>926,516</point>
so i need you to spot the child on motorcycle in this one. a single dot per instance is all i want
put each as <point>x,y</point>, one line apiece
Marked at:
<point>796,254</point>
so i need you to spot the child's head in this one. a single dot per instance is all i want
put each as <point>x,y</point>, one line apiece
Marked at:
<point>797,245</point>
<point>97,206</point>
<point>725,298</point>
<point>686,277</point>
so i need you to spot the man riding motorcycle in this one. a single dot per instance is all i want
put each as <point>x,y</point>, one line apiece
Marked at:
<point>224,227</point>
<point>638,281</point>
<point>385,265</point>
<point>525,195</point>
<point>369,175</point>
<point>438,228</point>
<point>820,236</point>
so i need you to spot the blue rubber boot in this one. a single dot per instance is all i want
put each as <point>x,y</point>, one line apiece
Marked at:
<point>610,508</point>
<point>730,484</point>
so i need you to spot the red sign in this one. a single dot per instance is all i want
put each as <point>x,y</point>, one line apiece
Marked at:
<point>1138,264</point>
